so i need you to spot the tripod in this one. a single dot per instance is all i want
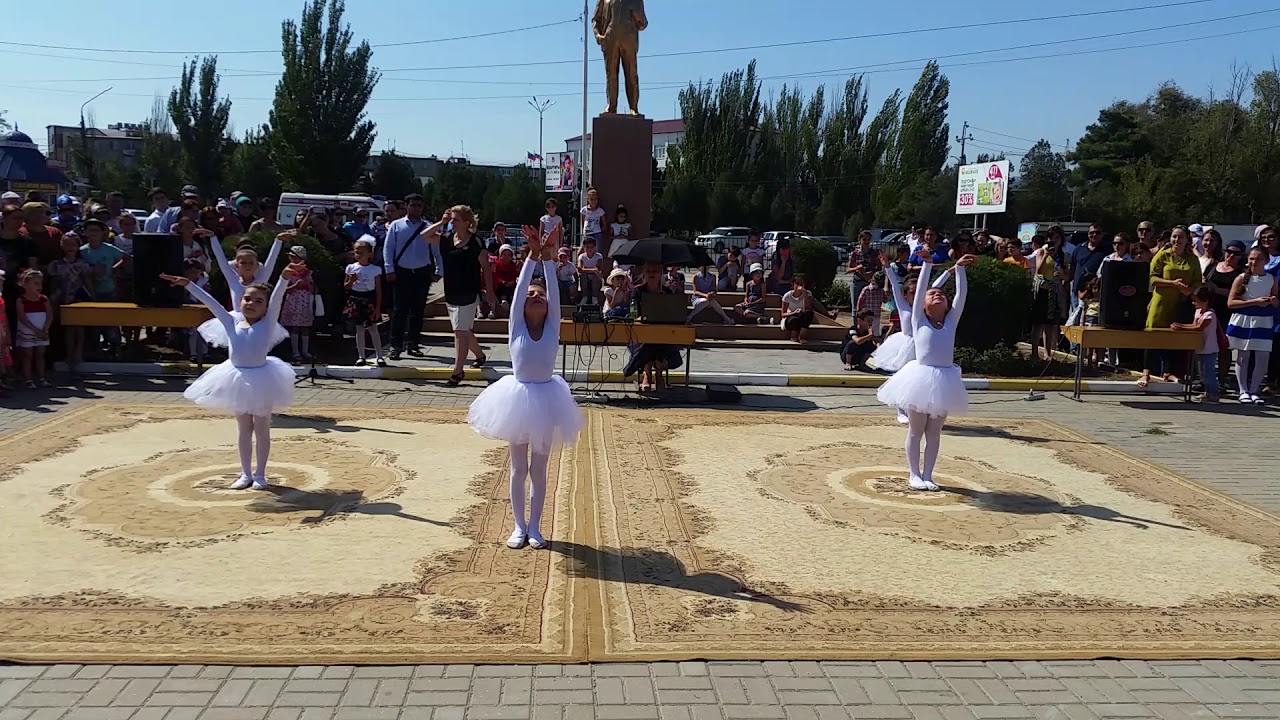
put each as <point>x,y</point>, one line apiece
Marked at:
<point>313,377</point>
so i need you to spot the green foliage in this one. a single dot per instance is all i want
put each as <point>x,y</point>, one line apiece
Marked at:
<point>998,361</point>
<point>250,169</point>
<point>393,176</point>
<point>201,119</point>
<point>320,136</point>
<point>997,308</point>
<point>837,295</point>
<point>816,260</point>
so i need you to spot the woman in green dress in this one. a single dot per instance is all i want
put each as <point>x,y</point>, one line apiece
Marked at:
<point>1175,274</point>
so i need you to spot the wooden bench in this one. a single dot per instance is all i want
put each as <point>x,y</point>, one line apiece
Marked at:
<point>1090,337</point>
<point>621,333</point>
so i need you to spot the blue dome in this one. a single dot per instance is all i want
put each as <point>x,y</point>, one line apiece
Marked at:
<point>16,136</point>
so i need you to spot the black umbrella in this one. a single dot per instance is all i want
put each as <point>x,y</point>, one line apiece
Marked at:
<point>664,251</point>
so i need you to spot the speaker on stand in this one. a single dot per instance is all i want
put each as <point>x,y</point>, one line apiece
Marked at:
<point>155,254</point>
<point>1125,293</point>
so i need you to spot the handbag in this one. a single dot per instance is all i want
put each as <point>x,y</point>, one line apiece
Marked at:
<point>318,305</point>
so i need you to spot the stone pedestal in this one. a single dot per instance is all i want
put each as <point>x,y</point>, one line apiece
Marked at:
<point>622,168</point>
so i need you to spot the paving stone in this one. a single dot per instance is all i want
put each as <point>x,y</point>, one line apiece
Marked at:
<point>337,672</point>
<point>91,672</point>
<point>686,697</point>
<point>627,712</point>
<point>560,697</point>
<point>38,700</point>
<point>395,671</point>
<point>729,690</point>
<point>621,670</point>
<point>516,691</point>
<point>263,692</point>
<point>794,683</point>
<point>315,686</point>
<point>179,672</point>
<point>497,712</point>
<point>437,698</point>
<point>360,692</point>
<point>66,671</point>
<point>696,669</point>
<point>488,671</point>
<point>254,673</point>
<point>441,684</point>
<point>562,683</point>
<point>854,669</point>
<point>760,691</point>
<point>682,683</point>
<point>308,699</point>
<point>189,684</point>
<point>391,691</point>
<point>180,699</point>
<point>9,689</point>
<point>664,669</point>
<point>723,669</point>
<point>486,690</point>
<point>638,690</point>
<point>753,712</point>
<point>234,713</point>
<point>1241,711</point>
<point>878,712</point>
<point>807,697</point>
<point>307,672</point>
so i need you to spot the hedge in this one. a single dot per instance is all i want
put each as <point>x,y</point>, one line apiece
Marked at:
<point>817,261</point>
<point>998,306</point>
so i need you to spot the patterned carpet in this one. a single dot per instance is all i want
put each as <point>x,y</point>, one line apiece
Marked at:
<point>677,535</point>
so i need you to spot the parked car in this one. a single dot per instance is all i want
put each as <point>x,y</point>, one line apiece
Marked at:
<point>769,240</point>
<point>141,215</point>
<point>723,238</point>
<point>842,244</point>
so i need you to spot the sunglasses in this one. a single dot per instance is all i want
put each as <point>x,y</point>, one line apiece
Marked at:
<point>1144,230</point>
<point>1235,252</point>
<point>1268,237</point>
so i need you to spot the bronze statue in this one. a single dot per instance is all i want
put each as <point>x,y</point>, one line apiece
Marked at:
<point>617,24</point>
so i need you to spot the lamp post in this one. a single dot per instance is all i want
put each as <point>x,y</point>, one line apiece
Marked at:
<point>85,155</point>
<point>541,107</point>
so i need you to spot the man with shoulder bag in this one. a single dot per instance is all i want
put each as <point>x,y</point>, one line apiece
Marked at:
<point>411,265</point>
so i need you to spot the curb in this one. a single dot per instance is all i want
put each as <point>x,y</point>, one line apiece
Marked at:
<point>863,382</point>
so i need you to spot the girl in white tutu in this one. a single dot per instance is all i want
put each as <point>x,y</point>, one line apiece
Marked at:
<point>249,384</point>
<point>245,271</point>
<point>533,409</point>
<point>897,349</point>
<point>929,387</point>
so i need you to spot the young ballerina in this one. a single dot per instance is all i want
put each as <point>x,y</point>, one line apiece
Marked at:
<point>897,350</point>
<point>250,384</point>
<point>246,270</point>
<point>364,300</point>
<point>533,409</point>
<point>929,387</point>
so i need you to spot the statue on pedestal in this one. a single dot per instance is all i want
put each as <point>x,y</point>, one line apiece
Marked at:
<point>617,25</point>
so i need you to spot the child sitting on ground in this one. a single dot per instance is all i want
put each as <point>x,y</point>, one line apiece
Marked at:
<point>859,342</point>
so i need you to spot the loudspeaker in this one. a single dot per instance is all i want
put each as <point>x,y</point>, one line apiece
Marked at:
<point>153,254</point>
<point>1125,293</point>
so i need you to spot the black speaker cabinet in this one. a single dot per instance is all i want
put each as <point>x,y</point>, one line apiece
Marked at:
<point>1125,291</point>
<point>153,254</point>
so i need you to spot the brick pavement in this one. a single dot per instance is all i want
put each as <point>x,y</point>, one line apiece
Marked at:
<point>1163,430</point>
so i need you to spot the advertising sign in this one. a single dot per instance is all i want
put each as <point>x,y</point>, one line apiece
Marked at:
<point>983,188</point>
<point>562,172</point>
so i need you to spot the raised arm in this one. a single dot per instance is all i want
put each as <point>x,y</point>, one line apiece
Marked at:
<point>941,279</point>
<point>214,306</point>
<point>922,287</point>
<point>895,285</point>
<point>962,291</point>
<point>277,297</point>
<point>226,268</point>
<point>264,272</point>
<point>521,292</point>
<point>553,295</point>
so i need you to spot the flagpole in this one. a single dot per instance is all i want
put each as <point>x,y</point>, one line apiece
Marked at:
<point>584,166</point>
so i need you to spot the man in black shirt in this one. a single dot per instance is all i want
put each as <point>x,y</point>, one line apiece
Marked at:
<point>1084,261</point>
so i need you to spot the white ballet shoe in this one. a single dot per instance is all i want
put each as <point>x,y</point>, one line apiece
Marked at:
<point>930,485</point>
<point>917,483</point>
<point>536,541</point>
<point>902,418</point>
<point>517,539</point>
<point>260,482</point>
<point>241,482</point>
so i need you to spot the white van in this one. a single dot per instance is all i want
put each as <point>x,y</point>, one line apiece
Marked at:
<point>291,203</point>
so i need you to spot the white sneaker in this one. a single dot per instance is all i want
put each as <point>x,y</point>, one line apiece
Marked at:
<point>1245,399</point>
<point>241,482</point>
<point>260,482</point>
<point>536,541</point>
<point>902,418</point>
<point>931,486</point>
<point>1257,400</point>
<point>517,539</point>
<point>917,483</point>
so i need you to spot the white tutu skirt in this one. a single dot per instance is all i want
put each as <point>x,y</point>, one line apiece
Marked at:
<point>215,333</point>
<point>936,391</point>
<point>896,351</point>
<point>256,391</point>
<point>542,415</point>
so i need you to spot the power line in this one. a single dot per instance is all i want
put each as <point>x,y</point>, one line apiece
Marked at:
<point>575,20</point>
<point>1011,137</point>
<point>682,53</point>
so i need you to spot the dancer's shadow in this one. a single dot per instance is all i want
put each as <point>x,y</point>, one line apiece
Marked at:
<point>284,499</point>
<point>1031,504</point>
<point>654,567</point>
<point>987,431</point>
<point>325,425</point>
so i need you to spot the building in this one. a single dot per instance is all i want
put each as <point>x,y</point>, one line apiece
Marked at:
<point>120,143</point>
<point>428,169</point>
<point>665,134</point>
<point>24,169</point>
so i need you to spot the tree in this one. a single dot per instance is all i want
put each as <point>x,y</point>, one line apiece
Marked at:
<point>161,156</point>
<point>201,120</point>
<point>250,170</point>
<point>519,200</point>
<point>393,176</point>
<point>319,135</point>
<point>4,124</point>
<point>1042,192</point>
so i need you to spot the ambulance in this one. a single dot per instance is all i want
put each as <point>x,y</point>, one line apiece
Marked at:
<point>345,204</point>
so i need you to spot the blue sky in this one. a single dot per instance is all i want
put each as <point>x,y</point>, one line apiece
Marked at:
<point>419,111</point>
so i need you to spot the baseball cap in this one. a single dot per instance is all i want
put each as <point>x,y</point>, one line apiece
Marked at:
<point>222,203</point>
<point>64,200</point>
<point>1236,245</point>
<point>190,191</point>
<point>242,200</point>
<point>298,251</point>
<point>1195,229</point>
<point>11,196</point>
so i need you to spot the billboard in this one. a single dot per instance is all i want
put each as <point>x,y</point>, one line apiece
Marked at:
<point>983,188</point>
<point>562,172</point>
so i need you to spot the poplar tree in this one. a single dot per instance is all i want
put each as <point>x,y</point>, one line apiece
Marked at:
<point>200,119</point>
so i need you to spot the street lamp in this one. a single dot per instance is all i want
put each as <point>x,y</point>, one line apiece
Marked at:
<point>84,142</point>
<point>541,107</point>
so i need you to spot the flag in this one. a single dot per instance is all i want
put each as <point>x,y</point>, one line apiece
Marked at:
<point>534,157</point>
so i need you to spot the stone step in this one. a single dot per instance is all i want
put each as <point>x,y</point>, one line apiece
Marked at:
<point>823,333</point>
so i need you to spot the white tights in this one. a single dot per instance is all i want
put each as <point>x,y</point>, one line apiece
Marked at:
<point>1250,382</point>
<point>251,425</point>
<point>534,465</point>
<point>929,429</point>
<point>374,335</point>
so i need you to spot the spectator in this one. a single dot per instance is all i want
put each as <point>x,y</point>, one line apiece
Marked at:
<point>1197,238</point>
<point>210,220</point>
<point>195,273</point>
<point>193,239</point>
<point>930,250</point>
<point>159,209</point>
<point>1146,234</point>
<point>982,242</point>
<point>864,263</point>
<point>298,313</point>
<point>1267,239</point>
<point>467,273</point>
<point>115,208</point>
<point>69,280</point>
<point>1205,323</point>
<point>1175,273</point>
<point>704,295</point>
<point>1220,277</point>
<point>1252,329</point>
<point>798,309</point>
<point>729,271</point>
<point>860,341</point>
<point>593,219</point>
<point>103,259</point>
<point>551,226</point>
<point>963,245</point>
<point>590,272</point>
<point>752,307</point>
<point>783,267</point>
<point>1085,259</point>
<point>566,274</point>
<point>620,228</point>
<point>411,267</point>
<point>1140,252</point>
<point>46,237</point>
<point>1046,311</point>
<point>68,216</point>
<point>674,279</point>
<point>17,253</point>
<point>1013,252</point>
<point>915,237</point>
<point>617,294</point>
<point>35,319</point>
<point>10,198</point>
<point>1210,251</point>
<point>244,216</point>
<point>359,227</point>
<point>753,254</point>
<point>651,360</point>
<point>338,243</point>
<point>168,218</point>
<point>505,275</point>
<point>268,221</point>
<point>872,299</point>
<point>1119,251</point>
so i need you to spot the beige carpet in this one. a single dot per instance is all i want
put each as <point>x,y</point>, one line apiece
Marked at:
<point>678,535</point>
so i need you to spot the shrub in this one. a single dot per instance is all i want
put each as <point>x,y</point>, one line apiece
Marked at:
<point>999,361</point>
<point>998,306</point>
<point>816,260</point>
<point>837,296</point>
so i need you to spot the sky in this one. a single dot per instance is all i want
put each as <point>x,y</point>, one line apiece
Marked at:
<point>484,112</point>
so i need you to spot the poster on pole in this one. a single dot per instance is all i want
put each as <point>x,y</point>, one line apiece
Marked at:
<point>983,188</point>
<point>562,171</point>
